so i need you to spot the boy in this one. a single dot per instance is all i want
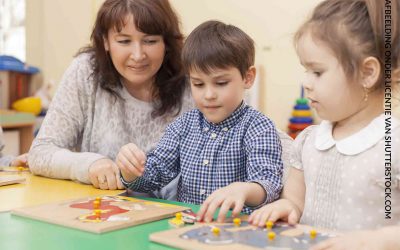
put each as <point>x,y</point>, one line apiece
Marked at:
<point>228,154</point>
<point>9,160</point>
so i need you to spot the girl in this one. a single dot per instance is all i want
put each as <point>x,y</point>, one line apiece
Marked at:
<point>338,177</point>
<point>125,87</point>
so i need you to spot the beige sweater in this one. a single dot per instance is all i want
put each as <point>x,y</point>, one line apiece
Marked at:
<point>84,124</point>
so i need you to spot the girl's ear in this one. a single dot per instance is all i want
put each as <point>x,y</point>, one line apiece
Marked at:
<point>249,77</point>
<point>370,72</point>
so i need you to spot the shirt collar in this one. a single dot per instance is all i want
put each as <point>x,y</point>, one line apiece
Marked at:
<point>231,120</point>
<point>356,143</point>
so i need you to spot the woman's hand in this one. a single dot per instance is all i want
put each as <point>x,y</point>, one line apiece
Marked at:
<point>20,161</point>
<point>104,174</point>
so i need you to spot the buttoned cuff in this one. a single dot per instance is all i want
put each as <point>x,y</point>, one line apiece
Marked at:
<point>272,192</point>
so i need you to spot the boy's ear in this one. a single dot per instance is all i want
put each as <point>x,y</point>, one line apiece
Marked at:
<point>249,77</point>
<point>370,71</point>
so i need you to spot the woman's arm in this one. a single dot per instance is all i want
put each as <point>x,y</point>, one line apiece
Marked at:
<point>52,153</point>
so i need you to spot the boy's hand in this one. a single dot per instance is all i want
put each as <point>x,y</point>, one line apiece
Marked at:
<point>362,240</point>
<point>281,209</point>
<point>232,196</point>
<point>131,161</point>
<point>104,174</point>
<point>20,161</point>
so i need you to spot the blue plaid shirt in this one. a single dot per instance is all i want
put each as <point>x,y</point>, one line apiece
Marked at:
<point>243,148</point>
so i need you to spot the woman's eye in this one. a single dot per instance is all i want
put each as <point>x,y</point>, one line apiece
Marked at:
<point>124,41</point>
<point>150,41</point>
<point>198,84</point>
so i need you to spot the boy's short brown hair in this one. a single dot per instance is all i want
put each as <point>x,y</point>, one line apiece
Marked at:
<point>214,44</point>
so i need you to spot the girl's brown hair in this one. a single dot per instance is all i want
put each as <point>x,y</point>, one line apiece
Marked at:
<point>354,30</point>
<point>155,17</point>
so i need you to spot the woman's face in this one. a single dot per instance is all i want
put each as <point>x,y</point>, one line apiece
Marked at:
<point>136,56</point>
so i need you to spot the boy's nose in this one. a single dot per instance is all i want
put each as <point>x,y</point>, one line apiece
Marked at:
<point>210,94</point>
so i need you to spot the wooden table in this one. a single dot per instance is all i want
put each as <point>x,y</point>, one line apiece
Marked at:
<point>39,190</point>
<point>23,123</point>
<point>27,234</point>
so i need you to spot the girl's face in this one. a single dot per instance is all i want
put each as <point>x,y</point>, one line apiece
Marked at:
<point>136,56</point>
<point>331,94</point>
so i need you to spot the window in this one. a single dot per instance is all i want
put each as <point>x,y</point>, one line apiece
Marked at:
<point>12,28</point>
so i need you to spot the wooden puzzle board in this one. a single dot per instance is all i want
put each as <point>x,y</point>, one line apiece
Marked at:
<point>11,179</point>
<point>116,212</point>
<point>199,237</point>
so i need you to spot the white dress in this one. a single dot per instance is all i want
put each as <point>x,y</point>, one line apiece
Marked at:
<point>345,180</point>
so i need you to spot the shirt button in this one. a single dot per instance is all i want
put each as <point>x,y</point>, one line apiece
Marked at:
<point>202,191</point>
<point>225,129</point>
<point>205,162</point>
<point>213,135</point>
<point>206,129</point>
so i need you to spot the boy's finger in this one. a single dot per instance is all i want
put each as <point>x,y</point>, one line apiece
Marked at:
<point>216,203</point>
<point>138,154</point>
<point>226,205</point>
<point>237,209</point>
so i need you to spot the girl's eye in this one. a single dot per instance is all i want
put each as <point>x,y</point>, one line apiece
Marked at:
<point>317,73</point>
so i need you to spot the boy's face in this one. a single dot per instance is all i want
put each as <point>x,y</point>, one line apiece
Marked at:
<point>219,93</point>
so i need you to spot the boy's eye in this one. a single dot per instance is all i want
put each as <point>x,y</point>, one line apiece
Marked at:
<point>222,83</point>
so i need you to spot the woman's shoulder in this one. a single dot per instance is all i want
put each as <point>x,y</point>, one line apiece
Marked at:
<point>187,101</point>
<point>83,61</point>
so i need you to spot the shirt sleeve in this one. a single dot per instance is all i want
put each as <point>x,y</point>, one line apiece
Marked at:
<point>265,165</point>
<point>52,152</point>
<point>297,152</point>
<point>163,163</point>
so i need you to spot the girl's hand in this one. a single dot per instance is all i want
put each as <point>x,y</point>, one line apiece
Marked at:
<point>20,161</point>
<point>104,174</point>
<point>131,161</point>
<point>282,209</point>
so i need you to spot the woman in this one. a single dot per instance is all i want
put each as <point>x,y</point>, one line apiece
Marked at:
<point>126,87</point>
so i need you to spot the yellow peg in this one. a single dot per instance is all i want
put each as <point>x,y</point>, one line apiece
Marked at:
<point>269,224</point>
<point>313,233</point>
<point>237,222</point>
<point>216,231</point>
<point>271,235</point>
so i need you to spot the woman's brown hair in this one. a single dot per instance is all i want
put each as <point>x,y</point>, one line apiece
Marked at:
<point>155,17</point>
